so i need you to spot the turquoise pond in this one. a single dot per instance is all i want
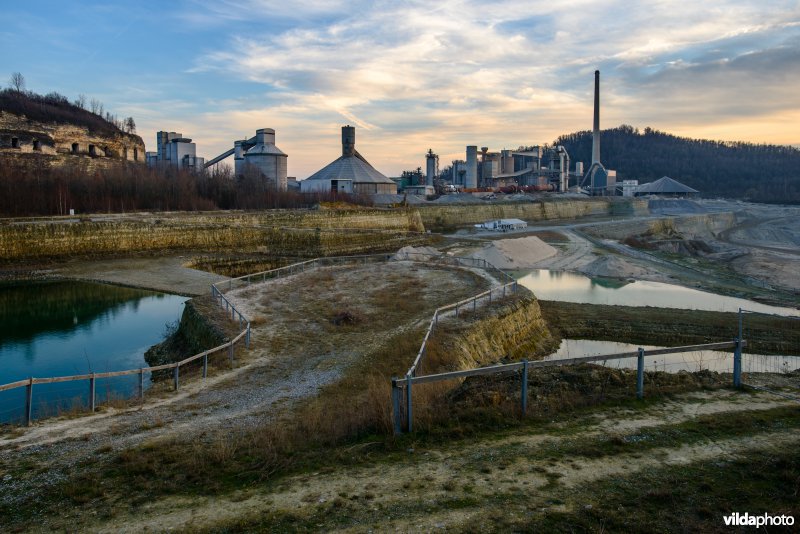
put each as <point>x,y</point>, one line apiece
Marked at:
<point>60,328</point>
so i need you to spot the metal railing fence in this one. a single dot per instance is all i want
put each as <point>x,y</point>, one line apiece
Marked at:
<point>218,291</point>
<point>404,413</point>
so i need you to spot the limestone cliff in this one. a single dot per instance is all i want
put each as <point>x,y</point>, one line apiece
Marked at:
<point>56,144</point>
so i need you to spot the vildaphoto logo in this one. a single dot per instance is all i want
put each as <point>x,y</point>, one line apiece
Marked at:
<point>765,520</point>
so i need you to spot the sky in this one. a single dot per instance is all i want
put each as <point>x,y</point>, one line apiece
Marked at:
<point>413,75</point>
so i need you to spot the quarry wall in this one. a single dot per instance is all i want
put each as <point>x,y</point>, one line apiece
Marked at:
<point>513,331</point>
<point>452,216</point>
<point>284,233</point>
<point>690,226</point>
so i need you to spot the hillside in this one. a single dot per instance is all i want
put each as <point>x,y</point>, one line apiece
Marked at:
<point>56,108</point>
<point>760,173</point>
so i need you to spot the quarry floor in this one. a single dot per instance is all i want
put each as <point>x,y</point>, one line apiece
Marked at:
<point>756,257</point>
<point>457,486</point>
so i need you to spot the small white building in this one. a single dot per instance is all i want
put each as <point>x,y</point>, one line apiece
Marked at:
<point>629,187</point>
<point>503,225</point>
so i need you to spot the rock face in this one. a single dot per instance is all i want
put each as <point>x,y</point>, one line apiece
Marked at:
<point>65,144</point>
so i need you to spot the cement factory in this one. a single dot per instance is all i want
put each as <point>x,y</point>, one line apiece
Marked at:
<point>529,168</point>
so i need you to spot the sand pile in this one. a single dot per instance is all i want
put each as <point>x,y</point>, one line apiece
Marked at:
<point>518,253</point>
<point>614,267</point>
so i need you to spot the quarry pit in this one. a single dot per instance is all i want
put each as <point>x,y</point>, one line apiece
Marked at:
<point>224,451</point>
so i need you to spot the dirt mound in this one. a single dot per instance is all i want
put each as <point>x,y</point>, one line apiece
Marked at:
<point>518,253</point>
<point>613,266</point>
<point>415,253</point>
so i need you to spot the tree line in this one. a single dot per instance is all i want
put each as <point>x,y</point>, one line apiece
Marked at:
<point>755,172</point>
<point>29,186</point>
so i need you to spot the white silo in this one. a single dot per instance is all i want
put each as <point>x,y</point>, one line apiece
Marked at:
<point>268,159</point>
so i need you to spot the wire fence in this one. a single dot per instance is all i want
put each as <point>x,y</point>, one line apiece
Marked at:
<point>772,359</point>
<point>403,388</point>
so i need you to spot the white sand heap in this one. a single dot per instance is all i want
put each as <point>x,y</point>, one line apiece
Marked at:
<point>518,253</point>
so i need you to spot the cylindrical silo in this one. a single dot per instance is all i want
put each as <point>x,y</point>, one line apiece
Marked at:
<point>471,178</point>
<point>430,167</point>
<point>267,159</point>
<point>348,140</point>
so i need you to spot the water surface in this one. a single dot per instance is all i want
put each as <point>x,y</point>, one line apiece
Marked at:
<point>571,287</point>
<point>68,328</point>
<point>672,363</point>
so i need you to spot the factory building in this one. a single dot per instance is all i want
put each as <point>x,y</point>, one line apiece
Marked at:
<point>258,155</point>
<point>471,176</point>
<point>665,186</point>
<point>350,173</point>
<point>458,172</point>
<point>176,151</point>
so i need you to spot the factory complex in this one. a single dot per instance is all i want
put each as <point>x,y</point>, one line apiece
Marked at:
<point>526,169</point>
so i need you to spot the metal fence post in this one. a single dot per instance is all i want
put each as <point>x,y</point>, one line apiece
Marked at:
<point>524,387</point>
<point>141,384</point>
<point>230,353</point>
<point>396,419</point>
<point>247,336</point>
<point>640,374</point>
<point>29,402</point>
<point>504,290</point>
<point>474,303</point>
<point>408,404</point>
<point>737,364</point>
<point>456,311</point>
<point>176,376</point>
<point>91,393</point>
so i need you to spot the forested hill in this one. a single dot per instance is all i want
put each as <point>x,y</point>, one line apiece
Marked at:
<point>761,173</point>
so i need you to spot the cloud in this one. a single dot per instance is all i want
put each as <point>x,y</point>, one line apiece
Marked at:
<point>413,75</point>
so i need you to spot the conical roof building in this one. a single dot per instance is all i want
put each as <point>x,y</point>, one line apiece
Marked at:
<point>665,186</point>
<point>350,173</point>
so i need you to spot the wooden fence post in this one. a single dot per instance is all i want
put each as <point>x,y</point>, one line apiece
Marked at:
<point>205,365</point>
<point>230,354</point>
<point>176,376</point>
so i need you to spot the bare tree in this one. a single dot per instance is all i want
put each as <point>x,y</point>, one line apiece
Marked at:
<point>17,82</point>
<point>81,101</point>
<point>130,125</point>
<point>95,106</point>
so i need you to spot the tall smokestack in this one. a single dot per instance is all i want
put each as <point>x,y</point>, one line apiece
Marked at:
<point>596,127</point>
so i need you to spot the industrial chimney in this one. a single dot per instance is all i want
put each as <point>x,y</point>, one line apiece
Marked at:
<point>596,127</point>
<point>348,140</point>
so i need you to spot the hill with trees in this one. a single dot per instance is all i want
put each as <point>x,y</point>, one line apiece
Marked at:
<point>56,108</point>
<point>759,173</point>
